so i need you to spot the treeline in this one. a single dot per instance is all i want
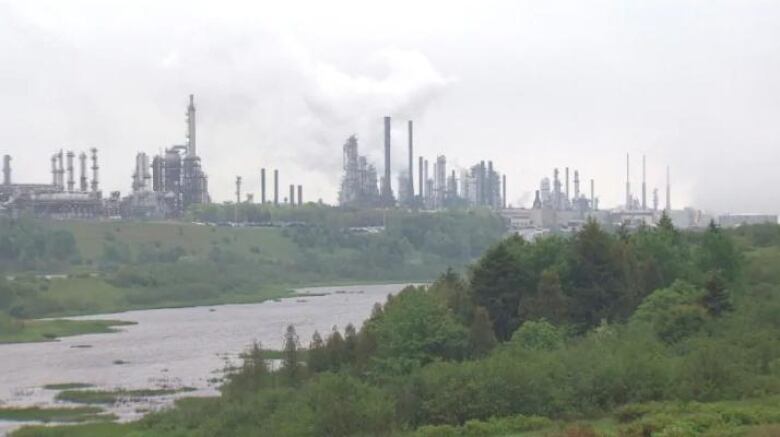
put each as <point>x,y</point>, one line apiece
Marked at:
<point>557,329</point>
<point>27,245</point>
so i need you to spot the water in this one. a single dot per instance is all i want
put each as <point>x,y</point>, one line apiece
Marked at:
<point>181,347</point>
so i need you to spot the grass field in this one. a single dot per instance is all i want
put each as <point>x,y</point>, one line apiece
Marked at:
<point>65,414</point>
<point>112,396</point>
<point>752,418</point>
<point>49,330</point>
<point>193,239</point>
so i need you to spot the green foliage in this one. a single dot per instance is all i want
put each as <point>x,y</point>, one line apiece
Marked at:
<point>26,244</point>
<point>538,335</point>
<point>719,253</point>
<point>413,330</point>
<point>674,312</point>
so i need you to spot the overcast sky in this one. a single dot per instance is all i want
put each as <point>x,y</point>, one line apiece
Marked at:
<point>529,85</point>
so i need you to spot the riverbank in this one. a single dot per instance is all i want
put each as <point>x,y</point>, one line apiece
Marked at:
<point>172,348</point>
<point>32,331</point>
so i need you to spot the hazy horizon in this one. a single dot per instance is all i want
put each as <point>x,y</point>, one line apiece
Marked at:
<point>529,85</point>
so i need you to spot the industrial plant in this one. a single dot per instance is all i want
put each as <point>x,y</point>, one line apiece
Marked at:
<point>167,184</point>
<point>479,186</point>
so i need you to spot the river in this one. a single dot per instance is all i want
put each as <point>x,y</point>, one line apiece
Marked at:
<point>176,347</point>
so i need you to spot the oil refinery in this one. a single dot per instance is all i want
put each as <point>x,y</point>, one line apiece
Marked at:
<point>165,185</point>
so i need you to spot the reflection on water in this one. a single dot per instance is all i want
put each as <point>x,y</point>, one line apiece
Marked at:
<point>173,347</point>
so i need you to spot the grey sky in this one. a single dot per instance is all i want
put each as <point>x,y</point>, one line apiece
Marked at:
<point>530,85</point>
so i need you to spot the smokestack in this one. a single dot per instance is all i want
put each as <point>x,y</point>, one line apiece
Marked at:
<point>567,184</point>
<point>191,150</point>
<point>655,199</point>
<point>411,165</point>
<point>426,194</point>
<point>7,170</point>
<point>238,190</point>
<point>503,191</point>
<point>668,191</point>
<point>276,187</point>
<point>262,185</point>
<point>592,195</point>
<point>292,195</point>
<point>628,183</point>
<point>482,188</point>
<point>644,185</point>
<point>95,168</point>
<point>387,191</point>
<point>83,186</point>
<point>71,179</point>
<point>576,184</point>
<point>556,189</point>
<point>54,170</point>
<point>300,195</point>
<point>60,171</point>
<point>421,180</point>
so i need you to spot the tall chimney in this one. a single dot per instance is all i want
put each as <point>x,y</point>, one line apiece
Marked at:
<point>628,183</point>
<point>576,184</point>
<point>592,195</point>
<point>292,195</point>
<point>421,181</point>
<point>191,145</point>
<point>503,191</point>
<point>83,186</point>
<point>387,191</point>
<point>54,170</point>
<point>567,184</point>
<point>95,168</point>
<point>644,185</point>
<point>262,185</point>
<point>238,190</point>
<point>655,199</point>
<point>410,197</point>
<point>668,191</point>
<point>61,170</point>
<point>300,195</point>
<point>426,194</point>
<point>71,179</point>
<point>276,187</point>
<point>7,170</point>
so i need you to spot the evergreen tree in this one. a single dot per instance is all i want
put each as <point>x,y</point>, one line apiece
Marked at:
<point>481,335</point>
<point>718,252</point>
<point>335,349</point>
<point>496,286</point>
<point>291,363</point>
<point>317,360</point>
<point>716,299</point>
<point>665,224</point>
<point>350,344</point>
<point>548,302</point>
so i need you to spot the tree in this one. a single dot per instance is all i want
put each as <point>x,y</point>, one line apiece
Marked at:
<point>599,286</point>
<point>317,359</point>
<point>455,294</point>
<point>335,349</point>
<point>548,302</point>
<point>538,335</point>
<point>350,343</point>
<point>716,299</point>
<point>251,376</point>
<point>291,363</point>
<point>718,252</point>
<point>415,330</point>
<point>481,336</point>
<point>496,285</point>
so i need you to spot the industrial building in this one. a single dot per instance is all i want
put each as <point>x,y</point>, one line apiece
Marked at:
<point>59,199</point>
<point>359,181</point>
<point>176,180</point>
